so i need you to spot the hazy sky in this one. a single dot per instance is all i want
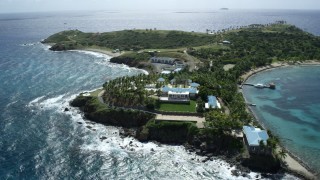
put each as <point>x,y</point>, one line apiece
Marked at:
<point>58,5</point>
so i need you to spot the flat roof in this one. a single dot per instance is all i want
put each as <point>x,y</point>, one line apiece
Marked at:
<point>179,90</point>
<point>166,72</point>
<point>163,58</point>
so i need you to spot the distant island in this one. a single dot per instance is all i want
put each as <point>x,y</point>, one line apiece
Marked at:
<point>225,9</point>
<point>191,95</point>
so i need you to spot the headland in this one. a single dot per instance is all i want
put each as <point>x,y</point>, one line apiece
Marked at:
<point>188,79</point>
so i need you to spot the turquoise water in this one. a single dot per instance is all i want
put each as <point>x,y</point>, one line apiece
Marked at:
<point>292,111</point>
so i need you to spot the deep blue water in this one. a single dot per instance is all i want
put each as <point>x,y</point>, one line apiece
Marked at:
<point>292,110</point>
<point>38,140</point>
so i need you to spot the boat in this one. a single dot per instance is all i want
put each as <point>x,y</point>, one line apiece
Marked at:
<point>259,85</point>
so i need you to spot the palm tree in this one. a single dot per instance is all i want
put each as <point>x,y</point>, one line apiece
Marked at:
<point>282,154</point>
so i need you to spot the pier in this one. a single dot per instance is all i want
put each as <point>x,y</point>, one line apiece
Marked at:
<point>270,85</point>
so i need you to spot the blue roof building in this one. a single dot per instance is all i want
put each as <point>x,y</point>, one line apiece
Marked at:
<point>161,80</point>
<point>255,135</point>
<point>194,84</point>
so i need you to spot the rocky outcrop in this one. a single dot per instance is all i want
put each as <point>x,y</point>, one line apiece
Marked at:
<point>95,111</point>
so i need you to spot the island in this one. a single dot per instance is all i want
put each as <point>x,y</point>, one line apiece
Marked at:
<point>192,94</point>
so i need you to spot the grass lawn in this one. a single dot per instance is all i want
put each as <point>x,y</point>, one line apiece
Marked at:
<point>178,107</point>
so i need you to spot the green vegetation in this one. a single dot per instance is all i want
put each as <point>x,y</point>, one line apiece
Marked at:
<point>258,45</point>
<point>129,91</point>
<point>170,107</point>
<point>171,132</point>
<point>133,59</point>
<point>250,47</point>
<point>129,39</point>
<point>99,112</point>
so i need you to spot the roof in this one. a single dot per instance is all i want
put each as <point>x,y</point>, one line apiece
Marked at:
<point>255,135</point>
<point>194,84</point>
<point>179,90</point>
<point>178,93</point>
<point>166,72</point>
<point>163,58</point>
<point>161,80</point>
<point>212,101</point>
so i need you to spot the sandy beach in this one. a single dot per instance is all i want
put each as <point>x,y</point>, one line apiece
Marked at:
<point>291,162</point>
<point>103,51</point>
<point>277,65</point>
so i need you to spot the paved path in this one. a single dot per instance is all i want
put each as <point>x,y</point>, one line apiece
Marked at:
<point>198,120</point>
<point>100,96</point>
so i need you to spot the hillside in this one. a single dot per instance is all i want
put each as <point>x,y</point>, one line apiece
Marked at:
<point>128,39</point>
<point>250,46</point>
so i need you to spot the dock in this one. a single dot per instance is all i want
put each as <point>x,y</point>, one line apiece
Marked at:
<point>270,85</point>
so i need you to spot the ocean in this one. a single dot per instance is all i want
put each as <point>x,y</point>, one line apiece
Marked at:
<point>291,111</point>
<point>39,140</point>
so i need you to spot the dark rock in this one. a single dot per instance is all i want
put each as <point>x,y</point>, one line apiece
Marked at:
<point>103,138</point>
<point>89,127</point>
<point>79,122</point>
<point>152,149</point>
<point>198,152</point>
<point>210,154</point>
<point>235,172</point>
<point>66,109</point>
<point>203,145</point>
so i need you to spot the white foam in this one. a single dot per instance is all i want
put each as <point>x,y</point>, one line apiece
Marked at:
<point>31,103</point>
<point>28,44</point>
<point>163,158</point>
<point>96,54</point>
<point>107,61</point>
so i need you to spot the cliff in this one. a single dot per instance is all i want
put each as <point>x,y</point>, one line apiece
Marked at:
<point>100,113</point>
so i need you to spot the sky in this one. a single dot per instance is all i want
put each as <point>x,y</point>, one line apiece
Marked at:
<point>10,6</point>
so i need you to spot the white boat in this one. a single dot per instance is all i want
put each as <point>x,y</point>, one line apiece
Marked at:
<point>259,85</point>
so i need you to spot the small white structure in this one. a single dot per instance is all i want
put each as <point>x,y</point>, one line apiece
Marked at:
<point>166,72</point>
<point>226,42</point>
<point>254,136</point>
